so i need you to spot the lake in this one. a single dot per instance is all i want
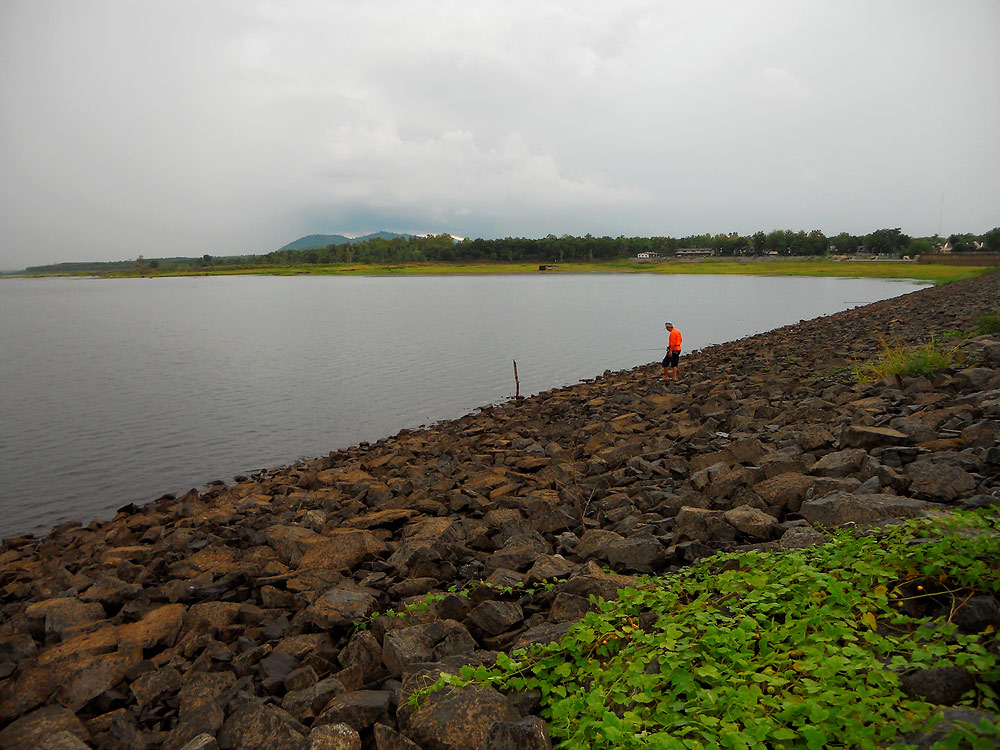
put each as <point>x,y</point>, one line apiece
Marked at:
<point>117,391</point>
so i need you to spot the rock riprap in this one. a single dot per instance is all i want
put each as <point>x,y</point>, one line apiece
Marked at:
<point>254,615</point>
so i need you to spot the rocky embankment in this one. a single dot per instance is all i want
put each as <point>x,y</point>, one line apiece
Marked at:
<point>236,617</point>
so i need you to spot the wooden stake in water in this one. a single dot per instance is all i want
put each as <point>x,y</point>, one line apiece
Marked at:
<point>517,383</point>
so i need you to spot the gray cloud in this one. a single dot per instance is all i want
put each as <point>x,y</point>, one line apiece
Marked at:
<point>187,127</point>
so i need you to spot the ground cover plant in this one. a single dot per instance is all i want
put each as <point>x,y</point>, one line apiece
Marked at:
<point>786,649</point>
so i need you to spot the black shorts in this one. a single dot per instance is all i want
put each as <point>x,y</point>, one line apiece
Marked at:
<point>671,359</point>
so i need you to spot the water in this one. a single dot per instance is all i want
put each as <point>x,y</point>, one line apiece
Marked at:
<point>118,391</point>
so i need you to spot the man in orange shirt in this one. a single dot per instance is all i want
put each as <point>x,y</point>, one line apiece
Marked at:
<point>673,352</point>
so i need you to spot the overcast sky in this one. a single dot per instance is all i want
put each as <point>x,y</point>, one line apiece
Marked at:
<point>185,127</point>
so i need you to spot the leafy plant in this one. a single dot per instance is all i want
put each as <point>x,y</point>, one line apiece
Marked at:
<point>792,649</point>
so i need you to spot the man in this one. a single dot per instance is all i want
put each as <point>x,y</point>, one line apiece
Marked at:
<point>673,352</point>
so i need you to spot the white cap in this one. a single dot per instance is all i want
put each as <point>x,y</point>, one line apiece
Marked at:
<point>668,324</point>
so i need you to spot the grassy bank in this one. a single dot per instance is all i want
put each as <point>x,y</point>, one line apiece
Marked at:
<point>771,267</point>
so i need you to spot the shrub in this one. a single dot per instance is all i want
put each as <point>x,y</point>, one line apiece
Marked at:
<point>906,362</point>
<point>989,322</point>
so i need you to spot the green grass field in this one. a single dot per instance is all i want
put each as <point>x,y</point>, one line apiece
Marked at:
<point>771,267</point>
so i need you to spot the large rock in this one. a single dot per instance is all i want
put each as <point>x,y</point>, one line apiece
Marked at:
<point>701,525</point>
<point>752,522</point>
<point>334,737</point>
<point>358,710</point>
<point>940,481</point>
<point>339,607</point>
<point>530,733</point>
<point>31,729</point>
<point>839,508</point>
<point>64,612</point>
<point>638,554</point>
<point>858,436</point>
<point>785,490</point>
<point>457,718</point>
<point>341,549</point>
<point>840,464</point>
<point>252,726</point>
<point>425,643</point>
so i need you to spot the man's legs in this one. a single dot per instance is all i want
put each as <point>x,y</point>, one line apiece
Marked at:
<point>675,373</point>
<point>666,372</point>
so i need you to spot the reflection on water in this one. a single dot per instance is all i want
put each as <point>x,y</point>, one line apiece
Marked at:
<point>118,391</point>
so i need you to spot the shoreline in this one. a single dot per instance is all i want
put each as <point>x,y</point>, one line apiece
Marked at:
<point>813,267</point>
<point>240,606</point>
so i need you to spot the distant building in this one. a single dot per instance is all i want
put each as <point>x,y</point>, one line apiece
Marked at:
<point>694,252</point>
<point>648,256</point>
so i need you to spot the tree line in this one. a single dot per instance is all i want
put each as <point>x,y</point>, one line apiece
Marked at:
<point>567,248</point>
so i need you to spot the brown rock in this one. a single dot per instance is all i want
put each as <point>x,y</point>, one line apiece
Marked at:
<point>785,490</point>
<point>940,481</point>
<point>64,612</point>
<point>840,464</point>
<point>839,508</point>
<point>856,436</point>
<point>387,738</point>
<point>29,730</point>
<point>359,709</point>
<point>154,685</point>
<point>341,549</point>
<point>334,737</point>
<point>457,718</point>
<point>251,726</point>
<point>62,741</point>
<point>530,733</point>
<point>701,525</point>
<point>493,617</point>
<point>339,607</point>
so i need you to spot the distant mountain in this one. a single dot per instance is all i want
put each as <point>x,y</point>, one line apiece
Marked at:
<point>316,241</point>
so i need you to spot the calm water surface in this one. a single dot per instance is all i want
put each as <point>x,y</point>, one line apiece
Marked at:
<point>118,391</point>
